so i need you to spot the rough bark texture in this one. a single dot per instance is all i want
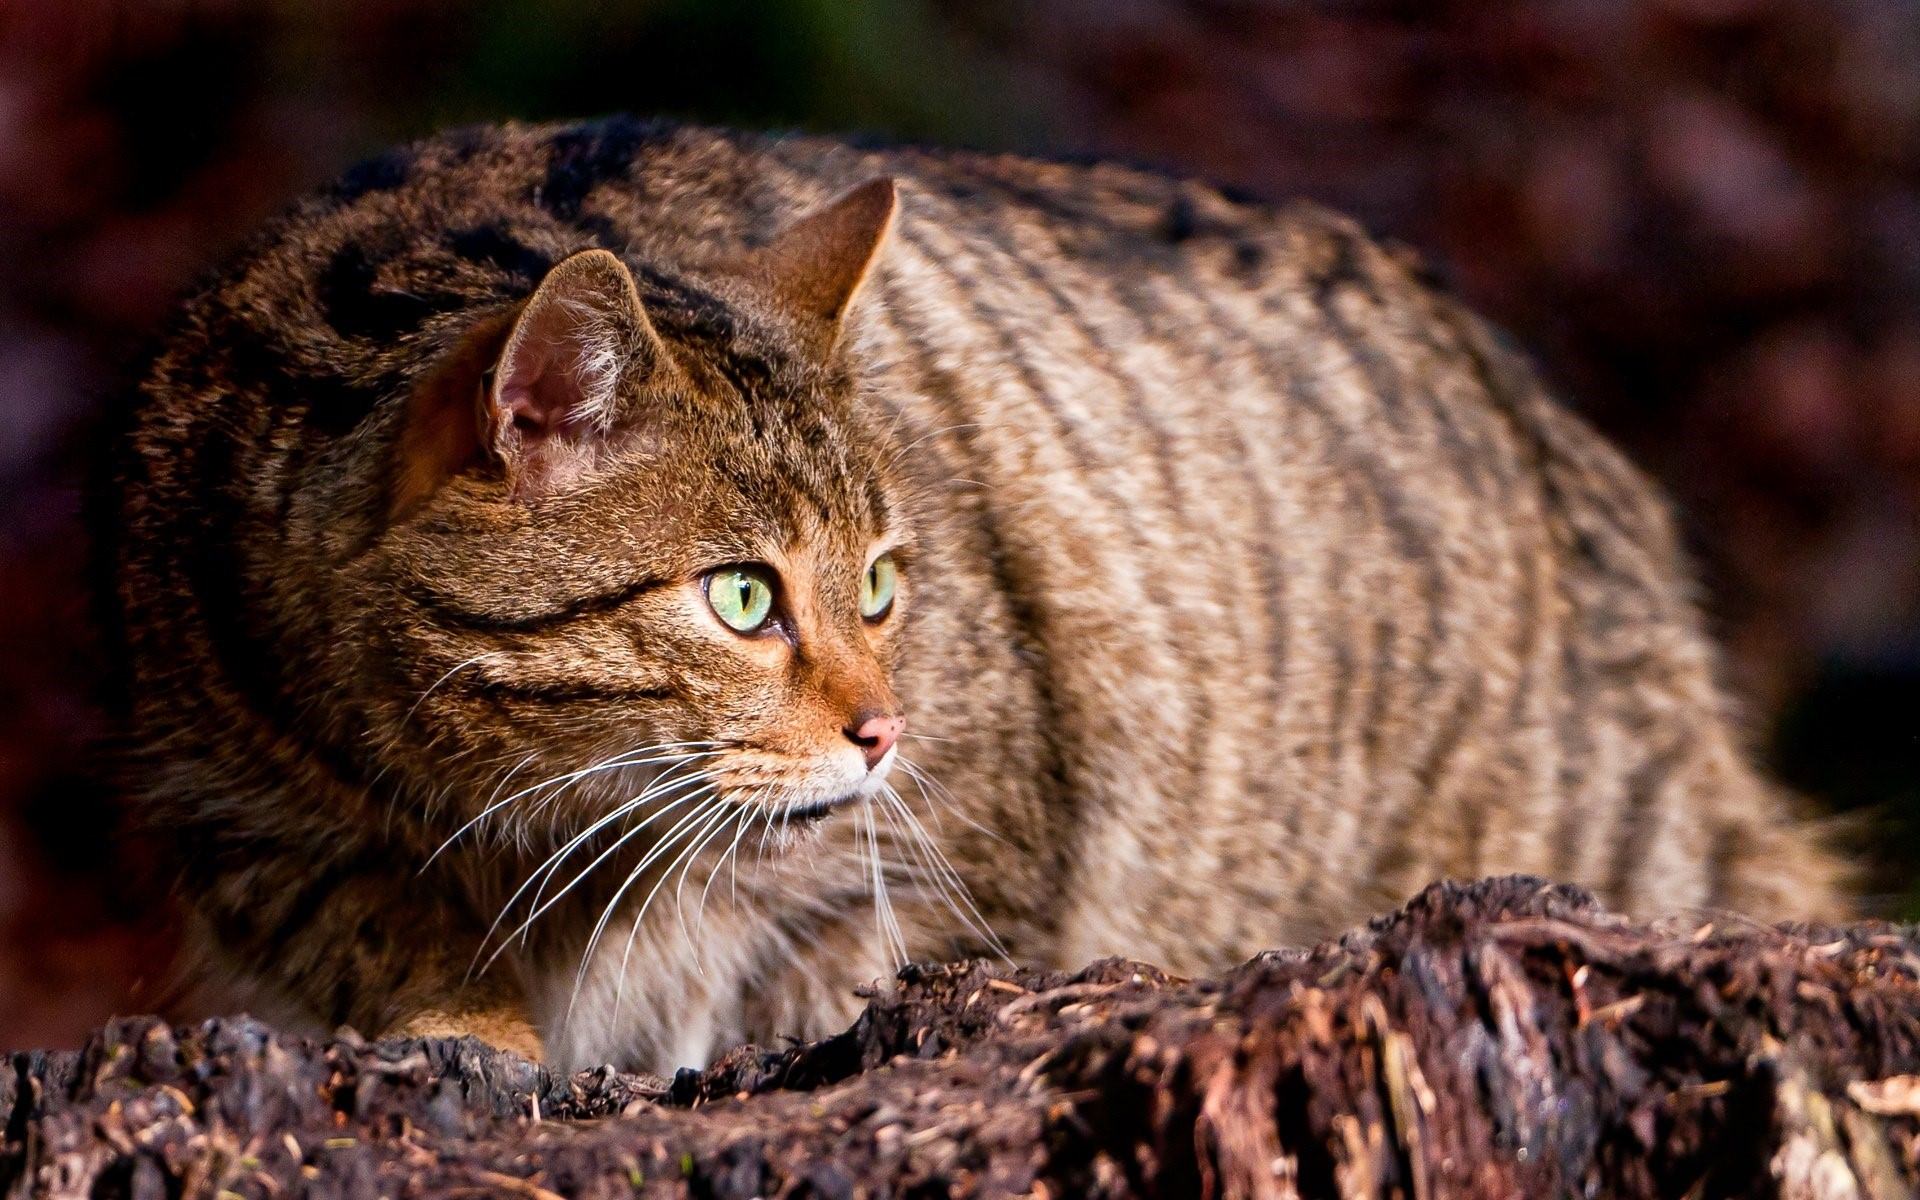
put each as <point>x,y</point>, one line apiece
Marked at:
<point>1506,1038</point>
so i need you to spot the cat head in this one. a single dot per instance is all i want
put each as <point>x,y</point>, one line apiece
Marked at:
<point>654,536</point>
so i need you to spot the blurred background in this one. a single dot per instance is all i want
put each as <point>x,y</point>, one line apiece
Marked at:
<point>1702,216</point>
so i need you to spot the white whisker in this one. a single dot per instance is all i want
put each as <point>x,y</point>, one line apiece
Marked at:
<point>668,839</point>
<point>698,839</point>
<point>747,812</point>
<point>937,797</point>
<point>889,929</point>
<point>662,785</point>
<point>618,762</point>
<point>547,870</point>
<point>400,730</point>
<point>900,454</point>
<point>955,890</point>
<point>679,902</point>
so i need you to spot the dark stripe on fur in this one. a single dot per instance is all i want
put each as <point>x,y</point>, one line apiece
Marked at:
<point>573,692</point>
<point>585,156</point>
<point>1638,821</point>
<point>450,613</point>
<point>493,246</point>
<point>379,174</point>
<point>351,302</point>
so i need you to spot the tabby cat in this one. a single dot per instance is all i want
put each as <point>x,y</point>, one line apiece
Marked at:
<point>652,580</point>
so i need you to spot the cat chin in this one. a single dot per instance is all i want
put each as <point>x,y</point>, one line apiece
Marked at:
<point>874,779</point>
<point>801,825</point>
<point>812,813</point>
<point>795,836</point>
<point>861,790</point>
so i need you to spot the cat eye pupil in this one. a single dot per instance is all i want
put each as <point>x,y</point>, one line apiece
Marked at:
<point>876,588</point>
<point>741,597</point>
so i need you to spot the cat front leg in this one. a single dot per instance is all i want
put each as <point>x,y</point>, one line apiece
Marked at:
<point>502,1026</point>
<point>809,987</point>
<point>680,997</point>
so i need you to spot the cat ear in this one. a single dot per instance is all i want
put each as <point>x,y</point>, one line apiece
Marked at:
<point>555,391</point>
<point>539,392</point>
<point>581,334</point>
<point>813,269</point>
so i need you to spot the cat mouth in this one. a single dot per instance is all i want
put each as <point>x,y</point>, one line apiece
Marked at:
<point>819,810</point>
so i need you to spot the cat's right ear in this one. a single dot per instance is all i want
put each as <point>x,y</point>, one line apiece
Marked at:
<point>539,395</point>
<point>568,369</point>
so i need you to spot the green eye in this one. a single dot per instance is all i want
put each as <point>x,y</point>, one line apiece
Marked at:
<point>740,596</point>
<point>876,588</point>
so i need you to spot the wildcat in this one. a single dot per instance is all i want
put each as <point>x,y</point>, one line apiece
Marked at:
<point>620,586</point>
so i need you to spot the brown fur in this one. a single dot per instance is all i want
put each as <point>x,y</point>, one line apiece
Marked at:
<point>1246,586</point>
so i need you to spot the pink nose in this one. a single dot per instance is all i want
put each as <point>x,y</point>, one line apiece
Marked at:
<point>875,736</point>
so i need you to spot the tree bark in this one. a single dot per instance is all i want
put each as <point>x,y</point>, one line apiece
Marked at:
<point>1504,1038</point>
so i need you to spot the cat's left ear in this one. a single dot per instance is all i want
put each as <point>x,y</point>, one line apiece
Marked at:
<point>814,268</point>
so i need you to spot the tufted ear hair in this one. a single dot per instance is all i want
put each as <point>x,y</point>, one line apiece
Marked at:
<point>812,270</point>
<point>581,335</point>
<point>568,365</point>
<point>538,393</point>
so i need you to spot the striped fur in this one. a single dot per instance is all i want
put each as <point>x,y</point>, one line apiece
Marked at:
<point>1248,585</point>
